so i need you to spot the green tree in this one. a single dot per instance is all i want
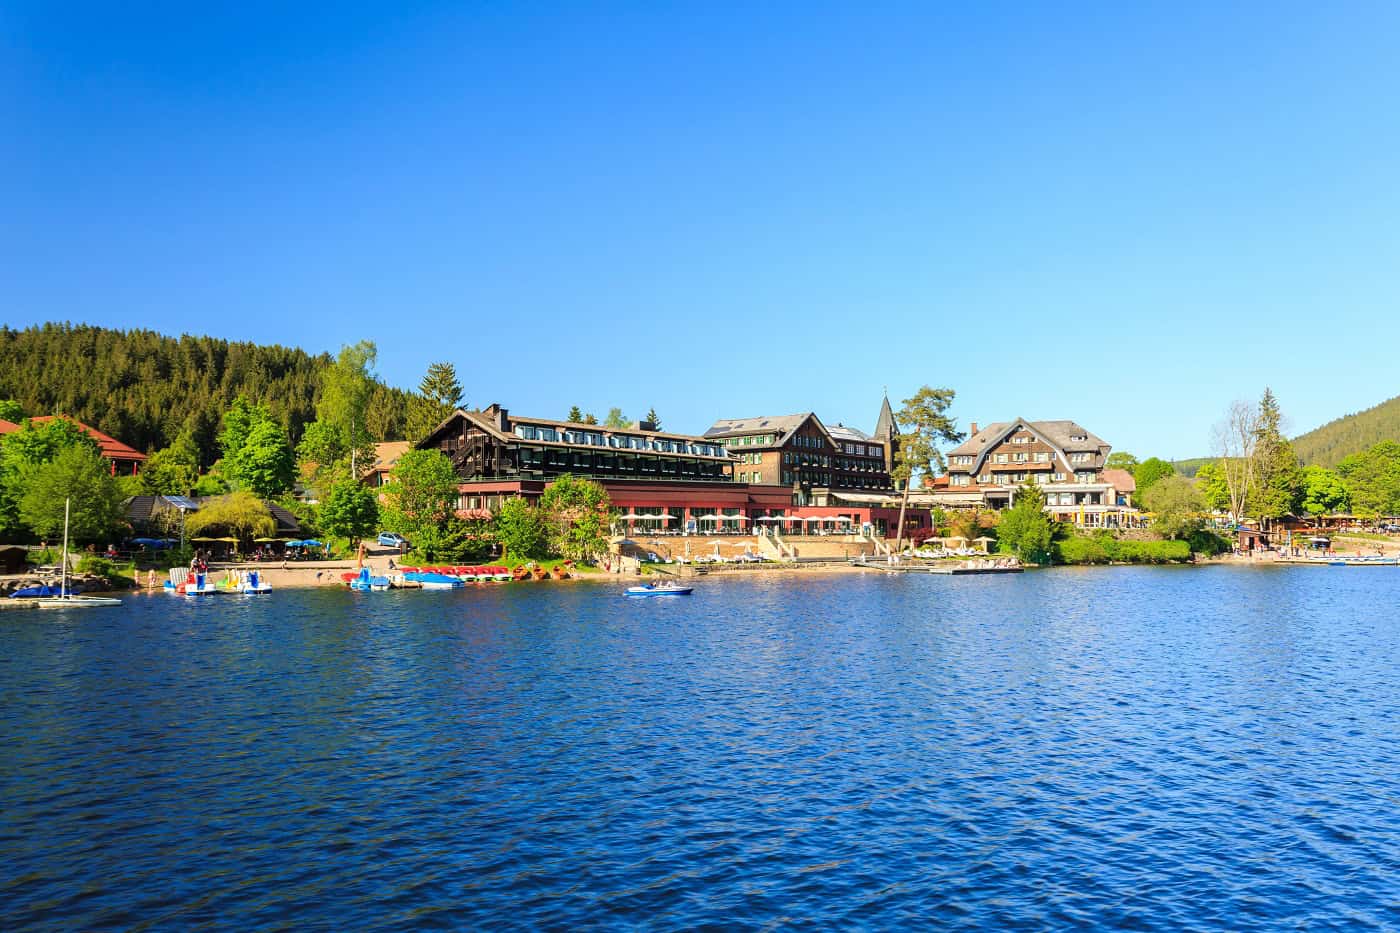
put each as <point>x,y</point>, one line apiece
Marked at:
<point>455,540</point>
<point>590,418</point>
<point>422,493</point>
<point>439,395</point>
<point>11,411</point>
<point>80,474</point>
<point>23,452</point>
<point>1150,471</point>
<point>1121,460</point>
<point>1214,488</point>
<point>240,515</point>
<point>1025,530</point>
<point>1177,505</point>
<point>1324,492</point>
<point>173,470</point>
<point>350,510</point>
<point>264,465</point>
<point>1278,478</point>
<point>654,418</point>
<point>1373,480</point>
<point>575,416</point>
<point>616,419</point>
<point>521,530</point>
<point>576,513</point>
<point>344,432</point>
<point>924,416</point>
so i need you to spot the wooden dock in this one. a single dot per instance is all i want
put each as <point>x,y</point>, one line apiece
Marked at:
<point>944,568</point>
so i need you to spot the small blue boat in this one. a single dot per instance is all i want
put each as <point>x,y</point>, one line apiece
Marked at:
<point>36,592</point>
<point>659,589</point>
<point>433,581</point>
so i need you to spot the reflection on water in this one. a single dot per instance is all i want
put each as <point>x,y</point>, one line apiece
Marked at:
<point>1152,748</point>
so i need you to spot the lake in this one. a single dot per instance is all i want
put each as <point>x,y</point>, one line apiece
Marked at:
<point>1143,748</point>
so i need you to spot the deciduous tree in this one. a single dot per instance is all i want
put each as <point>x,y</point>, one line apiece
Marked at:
<point>1324,492</point>
<point>1235,440</point>
<point>240,515</point>
<point>81,475</point>
<point>521,529</point>
<point>1149,472</point>
<point>350,510</point>
<point>1176,504</point>
<point>616,419</point>
<point>576,512</point>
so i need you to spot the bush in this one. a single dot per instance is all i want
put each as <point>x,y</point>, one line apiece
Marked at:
<point>108,570</point>
<point>1104,548</point>
<point>1207,542</point>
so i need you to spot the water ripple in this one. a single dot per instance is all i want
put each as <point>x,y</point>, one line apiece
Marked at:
<point>1152,749</point>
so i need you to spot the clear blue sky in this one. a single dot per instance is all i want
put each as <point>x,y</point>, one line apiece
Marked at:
<point>1124,214</point>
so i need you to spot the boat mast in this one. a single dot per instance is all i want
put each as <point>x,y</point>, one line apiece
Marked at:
<point>63,571</point>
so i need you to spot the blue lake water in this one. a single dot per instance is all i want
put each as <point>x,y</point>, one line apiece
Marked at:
<point>1152,749</point>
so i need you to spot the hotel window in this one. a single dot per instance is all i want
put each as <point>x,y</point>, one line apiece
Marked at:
<point>526,432</point>
<point>1020,456</point>
<point>985,478</point>
<point>1042,456</point>
<point>1058,477</point>
<point>1002,458</point>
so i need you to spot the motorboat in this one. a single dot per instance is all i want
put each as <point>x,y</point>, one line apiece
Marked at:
<point>432,581</point>
<point>365,583</point>
<point>659,589</point>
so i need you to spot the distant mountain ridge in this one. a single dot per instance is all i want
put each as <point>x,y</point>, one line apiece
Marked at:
<point>144,388</point>
<point>1336,440</point>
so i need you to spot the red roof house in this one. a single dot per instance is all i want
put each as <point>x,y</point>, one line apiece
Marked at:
<point>124,459</point>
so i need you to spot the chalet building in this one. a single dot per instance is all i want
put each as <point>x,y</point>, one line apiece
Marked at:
<point>669,482</point>
<point>801,452</point>
<point>386,457</point>
<point>124,460</point>
<point>1063,458</point>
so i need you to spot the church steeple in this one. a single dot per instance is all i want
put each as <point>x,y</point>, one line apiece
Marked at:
<point>886,432</point>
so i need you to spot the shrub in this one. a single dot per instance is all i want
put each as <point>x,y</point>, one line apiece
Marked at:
<point>1081,550</point>
<point>1103,548</point>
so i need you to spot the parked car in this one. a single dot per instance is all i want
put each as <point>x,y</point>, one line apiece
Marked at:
<point>393,539</point>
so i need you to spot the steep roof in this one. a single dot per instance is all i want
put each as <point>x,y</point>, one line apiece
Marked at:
<point>111,448</point>
<point>885,427</point>
<point>1058,433</point>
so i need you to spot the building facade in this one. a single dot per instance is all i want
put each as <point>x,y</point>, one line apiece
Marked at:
<point>737,481</point>
<point>1063,458</point>
<point>124,460</point>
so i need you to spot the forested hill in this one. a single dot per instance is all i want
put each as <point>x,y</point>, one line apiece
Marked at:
<point>1327,445</point>
<point>144,388</point>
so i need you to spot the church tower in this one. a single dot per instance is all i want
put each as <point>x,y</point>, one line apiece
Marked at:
<point>887,432</point>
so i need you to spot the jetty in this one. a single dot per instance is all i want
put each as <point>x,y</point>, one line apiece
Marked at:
<point>950,568</point>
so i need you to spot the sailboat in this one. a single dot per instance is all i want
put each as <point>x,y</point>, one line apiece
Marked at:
<point>65,599</point>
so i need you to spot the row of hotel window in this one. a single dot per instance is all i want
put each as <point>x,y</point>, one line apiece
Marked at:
<point>1039,456</point>
<point>1013,479</point>
<point>811,442</point>
<point>534,458</point>
<point>822,460</point>
<point>531,432</point>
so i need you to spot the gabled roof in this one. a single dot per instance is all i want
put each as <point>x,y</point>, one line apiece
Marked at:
<point>850,434</point>
<point>1058,434</point>
<point>760,424</point>
<point>1120,480</point>
<point>111,448</point>
<point>8,427</point>
<point>387,454</point>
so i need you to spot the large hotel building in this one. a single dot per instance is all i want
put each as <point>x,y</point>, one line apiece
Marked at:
<point>791,472</point>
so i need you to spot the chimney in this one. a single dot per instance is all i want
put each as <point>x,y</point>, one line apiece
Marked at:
<point>496,415</point>
<point>646,426</point>
<point>973,433</point>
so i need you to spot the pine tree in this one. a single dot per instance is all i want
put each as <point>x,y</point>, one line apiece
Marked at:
<point>440,385</point>
<point>575,416</point>
<point>1278,478</point>
<point>654,418</point>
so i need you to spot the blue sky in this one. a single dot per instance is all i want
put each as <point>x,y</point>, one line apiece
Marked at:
<point>1124,214</point>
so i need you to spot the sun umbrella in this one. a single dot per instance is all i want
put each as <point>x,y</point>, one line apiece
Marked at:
<point>311,542</point>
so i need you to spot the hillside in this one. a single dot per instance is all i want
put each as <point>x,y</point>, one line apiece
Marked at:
<point>144,388</point>
<point>1327,445</point>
